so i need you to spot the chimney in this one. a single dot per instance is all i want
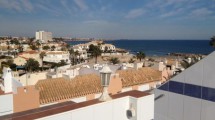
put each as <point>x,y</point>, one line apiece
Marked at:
<point>7,76</point>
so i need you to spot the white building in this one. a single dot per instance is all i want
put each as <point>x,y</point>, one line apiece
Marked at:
<point>44,36</point>
<point>190,95</point>
<point>57,56</point>
<point>107,47</point>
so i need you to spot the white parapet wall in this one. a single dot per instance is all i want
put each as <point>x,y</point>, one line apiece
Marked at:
<point>115,109</point>
<point>6,104</point>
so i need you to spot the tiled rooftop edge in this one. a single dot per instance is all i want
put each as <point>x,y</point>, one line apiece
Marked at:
<point>64,107</point>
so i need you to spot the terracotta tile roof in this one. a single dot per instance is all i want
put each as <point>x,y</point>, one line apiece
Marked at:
<point>52,90</point>
<point>24,57</point>
<point>57,53</point>
<point>170,62</point>
<point>143,75</point>
<point>64,107</point>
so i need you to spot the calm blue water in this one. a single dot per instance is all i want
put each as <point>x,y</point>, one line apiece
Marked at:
<point>161,47</point>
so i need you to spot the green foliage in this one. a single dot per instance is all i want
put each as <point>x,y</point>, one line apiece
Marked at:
<point>185,64</point>
<point>212,42</point>
<point>32,65</point>
<point>140,55</point>
<point>14,41</point>
<point>20,48</point>
<point>114,60</point>
<point>95,51</point>
<point>131,60</point>
<point>33,47</point>
<point>61,63</point>
<point>9,63</point>
<point>46,47</point>
<point>63,48</point>
<point>42,55</point>
<point>106,49</point>
<point>53,48</point>
<point>151,59</point>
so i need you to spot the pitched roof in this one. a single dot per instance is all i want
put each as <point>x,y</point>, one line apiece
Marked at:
<point>56,89</point>
<point>143,75</point>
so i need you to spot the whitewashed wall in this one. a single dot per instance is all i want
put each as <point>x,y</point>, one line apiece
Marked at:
<point>6,104</point>
<point>110,110</point>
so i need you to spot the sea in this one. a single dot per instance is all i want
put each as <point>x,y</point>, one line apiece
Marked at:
<point>160,47</point>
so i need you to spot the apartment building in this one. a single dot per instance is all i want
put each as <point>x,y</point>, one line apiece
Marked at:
<point>43,36</point>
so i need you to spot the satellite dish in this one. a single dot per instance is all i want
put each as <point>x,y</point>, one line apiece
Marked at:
<point>130,113</point>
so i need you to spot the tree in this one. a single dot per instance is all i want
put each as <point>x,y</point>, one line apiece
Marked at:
<point>42,55</point>
<point>33,47</point>
<point>77,56</point>
<point>114,60</point>
<point>72,59</point>
<point>32,65</point>
<point>131,60</point>
<point>106,49</point>
<point>186,64</point>
<point>46,47</point>
<point>62,63</point>
<point>63,48</point>
<point>212,42</point>
<point>53,48</point>
<point>20,48</point>
<point>68,46</point>
<point>38,44</point>
<point>9,63</point>
<point>95,51</point>
<point>140,55</point>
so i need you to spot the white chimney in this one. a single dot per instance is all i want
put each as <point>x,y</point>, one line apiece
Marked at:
<point>7,76</point>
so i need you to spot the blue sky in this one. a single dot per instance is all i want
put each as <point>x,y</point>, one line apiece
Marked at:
<point>112,19</point>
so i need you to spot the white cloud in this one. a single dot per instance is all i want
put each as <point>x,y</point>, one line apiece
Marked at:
<point>135,13</point>
<point>201,12</point>
<point>172,13</point>
<point>95,22</point>
<point>11,4</point>
<point>49,10</point>
<point>64,4</point>
<point>81,4</point>
<point>27,5</point>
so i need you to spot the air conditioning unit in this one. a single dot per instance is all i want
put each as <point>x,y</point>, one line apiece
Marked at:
<point>131,113</point>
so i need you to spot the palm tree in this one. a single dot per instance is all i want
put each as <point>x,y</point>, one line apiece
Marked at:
<point>42,55</point>
<point>140,55</point>
<point>212,42</point>
<point>95,51</point>
<point>32,65</point>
